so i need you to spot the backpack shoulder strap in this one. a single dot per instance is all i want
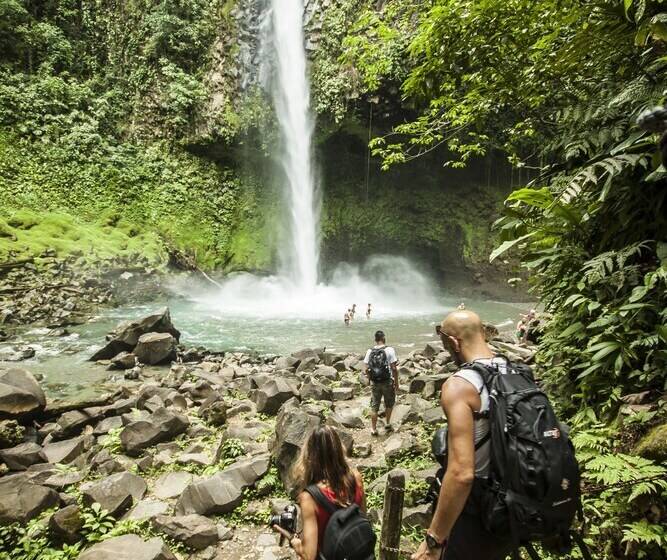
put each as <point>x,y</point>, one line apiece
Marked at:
<point>321,499</point>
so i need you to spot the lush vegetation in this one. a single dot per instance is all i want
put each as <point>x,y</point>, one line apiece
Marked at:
<point>558,87</point>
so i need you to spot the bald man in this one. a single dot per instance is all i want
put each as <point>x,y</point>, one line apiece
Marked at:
<point>456,531</point>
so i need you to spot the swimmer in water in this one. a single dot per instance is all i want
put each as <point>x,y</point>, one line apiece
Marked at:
<point>346,318</point>
<point>368,312</point>
<point>353,311</point>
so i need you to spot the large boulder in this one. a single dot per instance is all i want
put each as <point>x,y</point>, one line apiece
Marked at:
<point>293,426</point>
<point>21,501</point>
<point>270,397</point>
<point>214,410</point>
<point>126,335</point>
<point>222,492</point>
<point>22,456</point>
<point>307,364</point>
<point>172,484</point>
<point>286,362</point>
<point>654,444</point>
<point>115,493</point>
<point>128,547</point>
<point>162,425</point>
<point>194,531</point>
<point>20,395</point>
<point>155,348</point>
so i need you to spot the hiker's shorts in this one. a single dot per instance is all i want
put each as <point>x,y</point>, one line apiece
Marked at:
<point>384,390</point>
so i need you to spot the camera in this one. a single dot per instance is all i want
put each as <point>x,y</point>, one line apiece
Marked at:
<point>286,520</point>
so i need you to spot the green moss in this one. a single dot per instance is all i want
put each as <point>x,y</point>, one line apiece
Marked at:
<point>654,444</point>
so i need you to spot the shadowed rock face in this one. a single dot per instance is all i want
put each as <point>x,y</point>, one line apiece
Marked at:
<point>21,501</point>
<point>116,493</point>
<point>20,394</point>
<point>128,547</point>
<point>195,531</point>
<point>223,492</point>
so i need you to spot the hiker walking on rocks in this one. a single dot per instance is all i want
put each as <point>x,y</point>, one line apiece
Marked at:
<point>330,490</point>
<point>456,531</point>
<point>382,371</point>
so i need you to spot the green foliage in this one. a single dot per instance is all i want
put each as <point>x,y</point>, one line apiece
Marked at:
<point>31,542</point>
<point>97,523</point>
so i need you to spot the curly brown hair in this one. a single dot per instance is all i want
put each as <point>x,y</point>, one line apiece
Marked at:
<point>322,460</point>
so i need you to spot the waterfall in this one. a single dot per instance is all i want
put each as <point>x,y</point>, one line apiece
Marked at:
<point>291,96</point>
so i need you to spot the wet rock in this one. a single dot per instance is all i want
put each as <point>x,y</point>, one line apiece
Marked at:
<point>126,335</point>
<point>22,456</point>
<point>155,348</point>
<point>314,390</point>
<point>162,425</point>
<point>128,547</point>
<point>115,493</point>
<point>195,531</point>
<point>293,426</point>
<point>20,394</point>
<point>66,524</point>
<point>67,450</point>
<point>270,397</point>
<point>123,360</point>
<point>21,501</point>
<point>11,433</point>
<point>17,353</point>
<point>222,492</point>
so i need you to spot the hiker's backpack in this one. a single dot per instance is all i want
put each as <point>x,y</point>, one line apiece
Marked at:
<point>348,534</point>
<point>379,365</point>
<point>533,489</point>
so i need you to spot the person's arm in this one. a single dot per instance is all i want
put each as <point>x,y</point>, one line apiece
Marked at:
<point>306,546</point>
<point>360,483</point>
<point>458,400</point>
<point>394,370</point>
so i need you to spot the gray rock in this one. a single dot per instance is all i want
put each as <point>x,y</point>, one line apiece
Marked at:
<point>214,410</point>
<point>433,416</point>
<point>115,493</point>
<point>431,350</point>
<point>222,492</point>
<point>342,393</point>
<point>293,426</point>
<point>21,501</point>
<point>163,425</point>
<point>326,372</point>
<point>147,509</point>
<point>349,416</point>
<point>155,348</point>
<point>66,524</point>
<point>307,364</point>
<point>308,353</point>
<point>172,484</point>
<point>286,362</point>
<point>67,450</point>
<point>21,397</point>
<point>22,456</point>
<point>270,397</point>
<point>60,480</point>
<point>195,531</point>
<point>160,322</point>
<point>313,389</point>
<point>107,424</point>
<point>418,516</point>
<point>73,422</point>
<point>128,547</point>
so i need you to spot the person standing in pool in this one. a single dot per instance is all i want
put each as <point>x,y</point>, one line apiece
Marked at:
<point>346,318</point>
<point>368,312</point>
<point>353,311</point>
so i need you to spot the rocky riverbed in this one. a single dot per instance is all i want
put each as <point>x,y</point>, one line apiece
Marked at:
<point>190,456</point>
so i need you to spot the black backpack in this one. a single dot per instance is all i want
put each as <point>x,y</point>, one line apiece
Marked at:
<point>379,365</point>
<point>348,534</point>
<point>533,491</point>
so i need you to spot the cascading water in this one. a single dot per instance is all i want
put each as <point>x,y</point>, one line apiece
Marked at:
<point>291,95</point>
<point>392,284</point>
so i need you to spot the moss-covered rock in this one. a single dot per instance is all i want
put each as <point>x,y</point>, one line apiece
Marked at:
<point>654,444</point>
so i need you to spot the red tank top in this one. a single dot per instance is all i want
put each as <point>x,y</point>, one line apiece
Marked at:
<point>323,515</point>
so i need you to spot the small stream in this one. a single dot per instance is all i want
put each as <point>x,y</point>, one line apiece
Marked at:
<point>62,361</point>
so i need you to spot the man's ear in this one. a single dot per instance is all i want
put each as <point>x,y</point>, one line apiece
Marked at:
<point>455,342</point>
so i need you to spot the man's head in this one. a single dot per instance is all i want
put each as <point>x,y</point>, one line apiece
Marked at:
<point>380,337</point>
<point>461,332</point>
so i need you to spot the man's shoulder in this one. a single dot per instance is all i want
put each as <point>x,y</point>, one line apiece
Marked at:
<point>458,386</point>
